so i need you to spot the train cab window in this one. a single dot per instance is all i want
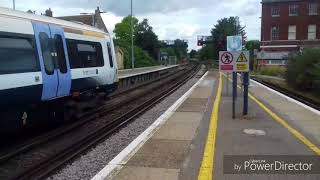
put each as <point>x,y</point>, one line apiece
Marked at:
<point>61,58</point>
<point>110,54</point>
<point>46,53</point>
<point>17,55</point>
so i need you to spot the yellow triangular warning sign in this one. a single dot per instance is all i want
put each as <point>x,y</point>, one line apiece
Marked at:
<point>242,58</point>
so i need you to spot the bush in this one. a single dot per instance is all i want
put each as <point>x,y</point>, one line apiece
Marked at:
<point>273,71</point>
<point>141,57</point>
<point>303,70</point>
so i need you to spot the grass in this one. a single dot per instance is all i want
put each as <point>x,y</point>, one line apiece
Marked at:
<point>278,71</point>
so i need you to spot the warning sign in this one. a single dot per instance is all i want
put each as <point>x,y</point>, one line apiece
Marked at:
<point>241,67</point>
<point>242,63</point>
<point>226,58</point>
<point>234,61</point>
<point>226,61</point>
<point>242,58</point>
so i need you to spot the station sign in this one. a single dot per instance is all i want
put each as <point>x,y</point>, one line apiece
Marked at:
<point>234,61</point>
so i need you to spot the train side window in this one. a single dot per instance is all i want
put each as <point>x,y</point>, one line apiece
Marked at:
<point>73,54</point>
<point>110,54</point>
<point>60,53</point>
<point>46,53</point>
<point>83,54</point>
<point>17,55</point>
<point>88,54</point>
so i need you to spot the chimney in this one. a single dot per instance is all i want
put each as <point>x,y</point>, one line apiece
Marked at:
<point>97,11</point>
<point>48,12</point>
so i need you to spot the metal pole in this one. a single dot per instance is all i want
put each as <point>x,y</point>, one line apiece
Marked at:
<point>235,79</point>
<point>132,54</point>
<point>227,84</point>
<point>93,21</point>
<point>14,4</point>
<point>245,93</point>
<point>234,94</point>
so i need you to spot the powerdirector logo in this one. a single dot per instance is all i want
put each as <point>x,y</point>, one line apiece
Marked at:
<point>269,164</point>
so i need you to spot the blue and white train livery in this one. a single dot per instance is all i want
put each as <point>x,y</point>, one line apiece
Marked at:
<point>44,60</point>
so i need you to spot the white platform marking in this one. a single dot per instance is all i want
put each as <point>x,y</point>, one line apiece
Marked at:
<point>115,165</point>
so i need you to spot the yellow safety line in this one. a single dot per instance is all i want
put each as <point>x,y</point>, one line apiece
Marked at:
<point>206,168</point>
<point>293,131</point>
<point>296,133</point>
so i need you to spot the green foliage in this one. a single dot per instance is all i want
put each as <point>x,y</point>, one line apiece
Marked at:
<point>225,27</point>
<point>251,46</point>
<point>180,49</point>
<point>273,71</point>
<point>168,50</point>
<point>144,38</point>
<point>142,58</point>
<point>193,53</point>
<point>122,31</point>
<point>147,39</point>
<point>206,52</point>
<point>303,70</point>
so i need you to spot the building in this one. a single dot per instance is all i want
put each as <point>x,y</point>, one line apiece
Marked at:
<point>120,58</point>
<point>93,19</point>
<point>288,26</point>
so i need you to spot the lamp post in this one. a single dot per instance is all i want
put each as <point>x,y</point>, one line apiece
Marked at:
<point>14,4</point>
<point>132,53</point>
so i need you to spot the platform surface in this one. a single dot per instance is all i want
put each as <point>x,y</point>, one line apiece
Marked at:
<point>138,71</point>
<point>167,153</point>
<point>233,137</point>
<point>177,149</point>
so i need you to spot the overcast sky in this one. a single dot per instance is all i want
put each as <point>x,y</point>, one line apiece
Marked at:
<point>171,19</point>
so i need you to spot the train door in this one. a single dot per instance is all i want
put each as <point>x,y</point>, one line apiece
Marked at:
<point>53,60</point>
<point>113,65</point>
<point>62,60</point>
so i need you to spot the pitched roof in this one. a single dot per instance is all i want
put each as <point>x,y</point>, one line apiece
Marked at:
<point>87,19</point>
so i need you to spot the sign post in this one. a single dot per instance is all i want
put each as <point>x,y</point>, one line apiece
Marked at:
<point>236,61</point>
<point>245,93</point>
<point>234,43</point>
<point>226,64</point>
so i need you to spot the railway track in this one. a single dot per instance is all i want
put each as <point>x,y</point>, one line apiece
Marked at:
<point>49,164</point>
<point>302,99</point>
<point>27,144</point>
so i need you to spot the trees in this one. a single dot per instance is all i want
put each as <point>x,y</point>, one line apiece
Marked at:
<point>193,53</point>
<point>303,71</point>
<point>225,27</point>
<point>144,48</point>
<point>251,46</point>
<point>180,49</point>
<point>207,52</point>
<point>147,39</point>
<point>122,31</point>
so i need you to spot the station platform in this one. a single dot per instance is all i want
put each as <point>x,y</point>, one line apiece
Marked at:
<point>195,137</point>
<point>139,71</point>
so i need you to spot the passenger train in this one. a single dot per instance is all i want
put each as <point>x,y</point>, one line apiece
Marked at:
<point>46,62</point>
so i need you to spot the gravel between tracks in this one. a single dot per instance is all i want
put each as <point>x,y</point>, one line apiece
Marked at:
<point>96,159</point>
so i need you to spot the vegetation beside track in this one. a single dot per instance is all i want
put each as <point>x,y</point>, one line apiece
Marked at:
<point>283,86</point>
